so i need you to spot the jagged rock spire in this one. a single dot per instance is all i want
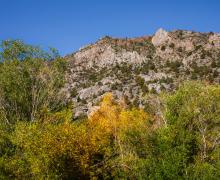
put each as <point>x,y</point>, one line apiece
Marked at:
<point>160,37</point>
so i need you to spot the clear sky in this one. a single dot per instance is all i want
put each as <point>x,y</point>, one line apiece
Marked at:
<point>69,24</point>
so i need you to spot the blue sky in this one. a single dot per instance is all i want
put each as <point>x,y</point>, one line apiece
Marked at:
<point>69,24</point>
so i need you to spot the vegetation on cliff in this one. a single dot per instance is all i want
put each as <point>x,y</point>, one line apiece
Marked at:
<point>40,140</point>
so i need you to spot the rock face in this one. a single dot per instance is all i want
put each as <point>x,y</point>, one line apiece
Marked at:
<point>133,68</point>
<point>160,37</point>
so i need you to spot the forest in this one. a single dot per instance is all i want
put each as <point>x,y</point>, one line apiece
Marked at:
<point>39,139</point>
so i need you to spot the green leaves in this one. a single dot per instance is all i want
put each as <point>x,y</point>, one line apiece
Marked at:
<point>193,124</point>
<point>39,140</point>
<point>29,82</point>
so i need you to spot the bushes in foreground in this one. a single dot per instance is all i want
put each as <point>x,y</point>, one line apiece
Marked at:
<point>39,139</point>
<point>187,146</point>
<point>108,144</point>
<point>116,142</point>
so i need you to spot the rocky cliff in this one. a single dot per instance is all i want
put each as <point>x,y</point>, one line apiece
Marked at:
<point>134,68</point>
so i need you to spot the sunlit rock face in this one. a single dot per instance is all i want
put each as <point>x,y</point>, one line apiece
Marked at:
<point>160,37</point>
<point>131,68</point>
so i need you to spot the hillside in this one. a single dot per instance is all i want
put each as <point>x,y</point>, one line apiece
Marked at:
<point>117,109</point>
<point>130,68</point>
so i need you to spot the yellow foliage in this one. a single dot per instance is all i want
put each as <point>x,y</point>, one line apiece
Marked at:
<point>112,117</point>
<point>109,127</point>
<point>83,145</point>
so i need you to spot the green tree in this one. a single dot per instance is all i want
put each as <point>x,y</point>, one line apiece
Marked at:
<point>30,88</point>
<point>189,142</point>
<point>29,81</point>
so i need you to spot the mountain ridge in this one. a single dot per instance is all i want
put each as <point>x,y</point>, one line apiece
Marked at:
<point>132,67</point>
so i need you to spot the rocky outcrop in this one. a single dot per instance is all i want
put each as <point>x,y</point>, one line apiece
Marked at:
<point>133,68</point>
<point>160,37</point>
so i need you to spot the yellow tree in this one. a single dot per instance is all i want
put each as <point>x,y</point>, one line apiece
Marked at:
<point>113,130</point>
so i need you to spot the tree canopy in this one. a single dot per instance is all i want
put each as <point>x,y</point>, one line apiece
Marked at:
<point>40,140</point>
